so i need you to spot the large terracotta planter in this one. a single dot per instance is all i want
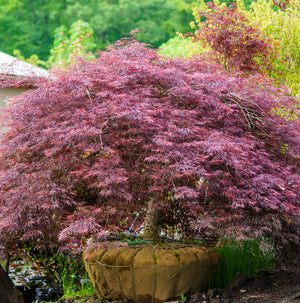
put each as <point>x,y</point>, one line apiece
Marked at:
<point>149,273</point>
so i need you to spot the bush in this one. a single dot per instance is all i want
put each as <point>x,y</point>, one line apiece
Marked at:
<point>92,146</point>
<point>283,26</point>
<point>280,27</point>
<point>181,46</point>
<point>238,45</point>
<point>246,257</point>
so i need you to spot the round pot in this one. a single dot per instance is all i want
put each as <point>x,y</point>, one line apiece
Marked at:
<point>149,273</point>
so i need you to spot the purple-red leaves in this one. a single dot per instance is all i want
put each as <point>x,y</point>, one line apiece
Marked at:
<point>91,147</point>
<point>238,45</point>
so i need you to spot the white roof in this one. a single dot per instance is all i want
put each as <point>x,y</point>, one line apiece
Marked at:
<point>16,67</point>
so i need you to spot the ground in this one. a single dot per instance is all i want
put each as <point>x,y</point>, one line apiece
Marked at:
<point>274,287</point>
<point>280,286</point>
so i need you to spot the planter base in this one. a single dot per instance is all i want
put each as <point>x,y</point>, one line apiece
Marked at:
<point>150,273</point>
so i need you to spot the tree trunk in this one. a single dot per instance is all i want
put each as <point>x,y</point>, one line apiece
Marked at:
<point>8,292</point>
<point>151,231</point>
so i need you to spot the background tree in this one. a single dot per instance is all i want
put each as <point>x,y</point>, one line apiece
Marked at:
<point>67,45</point>
<point>237,45</point>
<point>158,20</point>
<point>280,26</point>
<point>99,142</point>
<point>28,25</point>
<point>183,46</point>
<point>283,27</point>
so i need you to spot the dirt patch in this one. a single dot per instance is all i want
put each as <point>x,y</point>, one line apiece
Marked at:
<point>275,287</point>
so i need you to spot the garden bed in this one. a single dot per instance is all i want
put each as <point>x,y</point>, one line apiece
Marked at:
<point>280,286</point>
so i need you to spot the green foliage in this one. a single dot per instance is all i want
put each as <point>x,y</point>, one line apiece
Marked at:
<point>28,25</point>
<point>71,286</point>
<point>181,46</point>
<point>183,5</point>
<point>65,270</point>
<point>33,59</point>
<point>158,20</point>
<point>247,257</point>
<point>283,26</point>
<point>78,41</point>
<point>137,241</point>
<point>67,45</point>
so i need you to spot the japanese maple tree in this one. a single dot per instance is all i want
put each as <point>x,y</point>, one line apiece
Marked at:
<point>102,140</point>
<point>238,45</point>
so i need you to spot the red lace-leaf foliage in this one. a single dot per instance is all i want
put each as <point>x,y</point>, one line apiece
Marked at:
<point>282,4</point>
<point>89,148</point>
<point>238,45</point>
<point>7,80</point>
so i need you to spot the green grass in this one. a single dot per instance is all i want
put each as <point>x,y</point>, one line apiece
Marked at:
<point>71,288</point>
<point>245,257</point>
<point>69,273</point>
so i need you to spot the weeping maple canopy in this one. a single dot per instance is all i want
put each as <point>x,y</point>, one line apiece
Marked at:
<point>90,148</point>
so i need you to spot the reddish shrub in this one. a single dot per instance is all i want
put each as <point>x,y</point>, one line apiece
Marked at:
<point>238,45</point>
<point>88,149</point>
